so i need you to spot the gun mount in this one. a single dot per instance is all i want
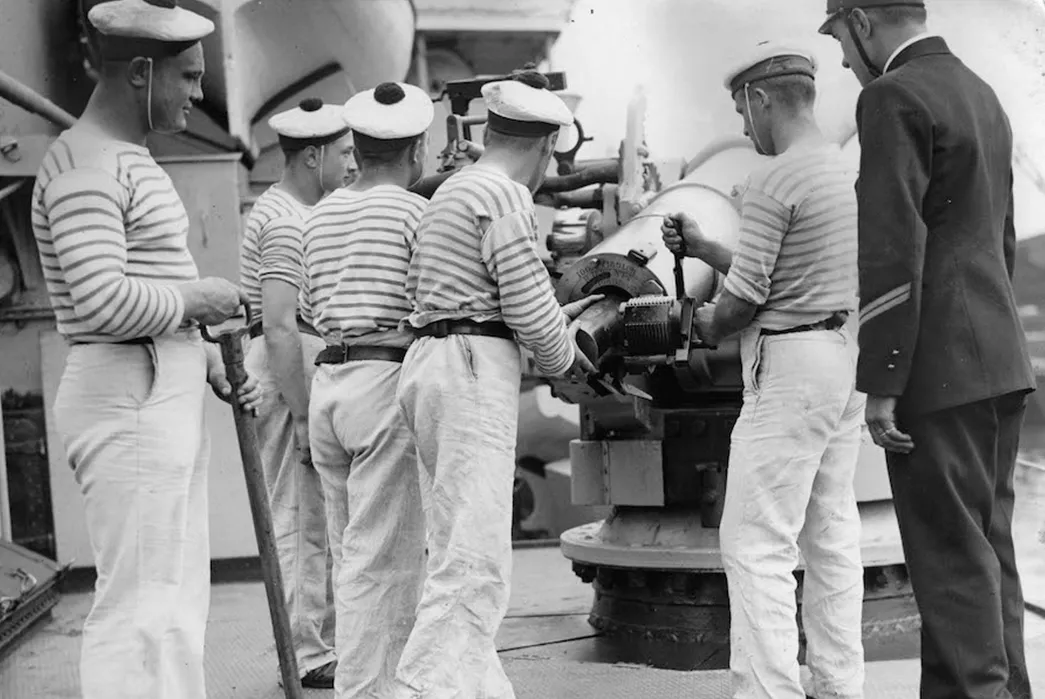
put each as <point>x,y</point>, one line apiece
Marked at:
<point>656,421</point>
<point>654,444</point>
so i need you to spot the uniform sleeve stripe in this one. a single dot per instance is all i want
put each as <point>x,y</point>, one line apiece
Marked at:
<point>902,291</point>
<point>894,302</point>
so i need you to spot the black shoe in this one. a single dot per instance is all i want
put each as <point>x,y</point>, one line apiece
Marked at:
<point>320,678</point>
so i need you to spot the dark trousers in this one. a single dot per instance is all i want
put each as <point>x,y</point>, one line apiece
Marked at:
<point>954,498</point>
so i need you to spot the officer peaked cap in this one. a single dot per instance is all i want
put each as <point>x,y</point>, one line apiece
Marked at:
<point>837,7</point>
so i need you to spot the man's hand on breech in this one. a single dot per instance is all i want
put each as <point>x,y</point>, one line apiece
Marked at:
<point>704,324</point>
<point>582,366</point>
<point>682,235</point>
<point>574,309</point>
<point>880,415</point>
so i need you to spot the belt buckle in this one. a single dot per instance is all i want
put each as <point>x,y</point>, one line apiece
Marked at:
<point>442,329</point>
<point>837,320</point>
<point>344,353</point>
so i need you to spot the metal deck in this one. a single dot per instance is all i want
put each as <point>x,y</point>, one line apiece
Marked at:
<point>548,648</point>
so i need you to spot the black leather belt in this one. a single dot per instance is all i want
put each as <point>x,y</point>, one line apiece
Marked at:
<point>835,321</point>
<point>463,326</point>
<point>257,330</point>
<point>132,341</point>
<point>341,354</point>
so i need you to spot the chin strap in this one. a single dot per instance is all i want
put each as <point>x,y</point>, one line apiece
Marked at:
<point>871,67</point>
<point>148,104</point>
<point>322,157</point>
<point>751,119</point>
<point>148,96</point>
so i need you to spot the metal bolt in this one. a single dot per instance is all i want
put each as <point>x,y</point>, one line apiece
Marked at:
<point>9,148</point>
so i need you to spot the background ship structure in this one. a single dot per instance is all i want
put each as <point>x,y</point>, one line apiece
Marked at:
<point>627,472</point>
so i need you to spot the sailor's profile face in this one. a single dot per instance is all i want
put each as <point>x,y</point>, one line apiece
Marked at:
<point>740,105</point>
<point>337,163</point>
<point>547,151</point>
<point>420,157</point>
<point>851,59</point>
<point>176,88</point>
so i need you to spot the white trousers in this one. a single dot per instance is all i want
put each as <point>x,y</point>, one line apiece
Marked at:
<point>298,514</point>
<point>131,420</point>
<point>367,460</point>
<point>460,397</point>
<point>789,489</point>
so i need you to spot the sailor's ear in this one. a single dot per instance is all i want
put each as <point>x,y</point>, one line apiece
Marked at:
<point>139,72</point>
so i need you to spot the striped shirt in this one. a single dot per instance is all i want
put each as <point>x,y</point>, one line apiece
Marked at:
<point>271,246</point>
<point>113,239</point>
<point>477,258</point>
<point>357,252</point>
<point>796,256</point>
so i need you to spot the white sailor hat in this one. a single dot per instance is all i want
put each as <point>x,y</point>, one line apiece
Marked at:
<point>770,60</point>
<point>523,106</point>
<point>388,116</point>
<point>311,123</point>
<point>147,28</point>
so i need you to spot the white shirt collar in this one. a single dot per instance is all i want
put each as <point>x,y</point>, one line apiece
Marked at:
<point>904,45</point>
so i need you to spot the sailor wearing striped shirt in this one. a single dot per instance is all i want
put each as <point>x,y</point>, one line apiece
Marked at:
<point>790,285</point>
<point>316,144</point>
<point>358,243</point>
<point>478,289</point>
<point>112,235</point>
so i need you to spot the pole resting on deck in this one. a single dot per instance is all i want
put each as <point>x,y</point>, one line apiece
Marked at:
<point>230,342</point>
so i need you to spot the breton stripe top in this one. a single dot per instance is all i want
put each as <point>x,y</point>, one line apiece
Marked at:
<point>357,248</point>
<point>796,256</point>
<point>271,246</point>
<point>113,239</point>
<point>477,258</point>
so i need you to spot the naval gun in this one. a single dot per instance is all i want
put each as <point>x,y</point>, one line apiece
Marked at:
<point>655,425</point>
<point>656,419</point>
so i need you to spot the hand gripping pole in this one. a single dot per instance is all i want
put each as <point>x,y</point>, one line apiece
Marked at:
<point>230,342</point>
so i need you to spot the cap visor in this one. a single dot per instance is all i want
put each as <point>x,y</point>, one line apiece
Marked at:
<point>825,28</point>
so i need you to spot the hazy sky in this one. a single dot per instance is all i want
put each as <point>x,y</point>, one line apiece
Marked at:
<point>679,51</point>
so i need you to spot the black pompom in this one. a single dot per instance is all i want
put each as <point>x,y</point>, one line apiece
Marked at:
<point>531,78</point>
<point>311,104</point>
<point>388,93</point>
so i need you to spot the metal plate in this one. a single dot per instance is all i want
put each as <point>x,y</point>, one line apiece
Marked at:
<point>606,271</point>
<point>674,540</point>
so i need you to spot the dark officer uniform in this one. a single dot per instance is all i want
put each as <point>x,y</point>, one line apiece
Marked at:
<point>939,329</point>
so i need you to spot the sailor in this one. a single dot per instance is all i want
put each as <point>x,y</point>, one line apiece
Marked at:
<point>790,285</point>
<point>357,251</point>
<point>943,358</point>
<point>478,290</point>
<point>316,144</point>
<point>112,234</point>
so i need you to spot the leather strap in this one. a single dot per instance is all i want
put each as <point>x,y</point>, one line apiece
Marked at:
<point>257,330</point>
<point>464,326</point>
<point>835,321</point>
<point>132,341</point>
<point>341,354</point>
